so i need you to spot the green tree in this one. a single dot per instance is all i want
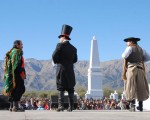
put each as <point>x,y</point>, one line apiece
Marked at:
<point>43,95</point>
<point>30,94</point>
<point>80,90</point>
<point>54,92</point>
<point>107,91</point>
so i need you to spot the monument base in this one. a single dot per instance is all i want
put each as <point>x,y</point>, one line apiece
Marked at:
<point>95,94</point>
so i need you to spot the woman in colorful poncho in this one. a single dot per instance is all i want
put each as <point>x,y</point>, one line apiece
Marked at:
<point>14,75</point>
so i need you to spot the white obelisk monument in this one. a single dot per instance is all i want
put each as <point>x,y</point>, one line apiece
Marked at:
<point>94,80</point>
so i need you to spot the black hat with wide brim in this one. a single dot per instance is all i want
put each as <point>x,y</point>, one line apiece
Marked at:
<point>66,31</point>
<point>132,39</point>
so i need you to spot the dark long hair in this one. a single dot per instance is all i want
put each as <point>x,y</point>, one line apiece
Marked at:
<point>16,42</point>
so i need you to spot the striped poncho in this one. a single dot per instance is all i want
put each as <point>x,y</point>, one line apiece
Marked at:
<point>13,59</point>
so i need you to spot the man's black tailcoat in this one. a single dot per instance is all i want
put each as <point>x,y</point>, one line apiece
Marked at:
<point>65,55</point>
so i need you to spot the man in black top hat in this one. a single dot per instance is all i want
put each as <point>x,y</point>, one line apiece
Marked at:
<point>65,55</point>
<point>136,85</point>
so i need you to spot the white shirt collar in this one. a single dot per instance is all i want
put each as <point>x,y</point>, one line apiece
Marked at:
<point>65,40</point>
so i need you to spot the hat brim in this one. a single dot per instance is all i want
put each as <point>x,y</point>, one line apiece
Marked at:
<point>65,36</point>
<point>131,39</point>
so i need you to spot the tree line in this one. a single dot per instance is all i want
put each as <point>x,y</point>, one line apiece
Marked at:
<point>80,90</point>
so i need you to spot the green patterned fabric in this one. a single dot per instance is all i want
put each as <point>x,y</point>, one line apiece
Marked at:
<point>12,59</point>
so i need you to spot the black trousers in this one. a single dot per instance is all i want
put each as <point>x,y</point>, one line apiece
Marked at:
<point>18,91</point>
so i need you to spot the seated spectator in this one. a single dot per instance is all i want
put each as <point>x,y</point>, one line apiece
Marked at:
<point>28,105</point>
<point>113,105</point>
<point>99,105</point>
<point>40,105</point>
<point>122,104</point>
<point>46,107</point>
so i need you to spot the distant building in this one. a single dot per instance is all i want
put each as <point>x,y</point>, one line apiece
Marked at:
<point>114,96</point>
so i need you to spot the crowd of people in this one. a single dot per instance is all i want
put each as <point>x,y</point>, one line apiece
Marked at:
<point>35,104</point>
<point>82,104</point>
<point>102,104</point>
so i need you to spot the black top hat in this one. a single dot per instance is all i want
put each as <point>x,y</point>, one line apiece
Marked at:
<point>131,39</point>
<point>66,30</point>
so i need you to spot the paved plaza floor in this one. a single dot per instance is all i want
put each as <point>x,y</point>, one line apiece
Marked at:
<point>75,115</point>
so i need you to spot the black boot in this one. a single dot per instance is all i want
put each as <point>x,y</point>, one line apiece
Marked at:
<point>132,106</point>
<point>16,108</point>
<point>140,107</point>
<point>11,106</point>
<point>71,102</point>
<point>60,101</point>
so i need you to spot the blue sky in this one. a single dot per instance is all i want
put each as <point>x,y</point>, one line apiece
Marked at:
<point>38,23</point>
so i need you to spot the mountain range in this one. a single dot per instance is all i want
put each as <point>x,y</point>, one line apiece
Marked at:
<point>41,74</point>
